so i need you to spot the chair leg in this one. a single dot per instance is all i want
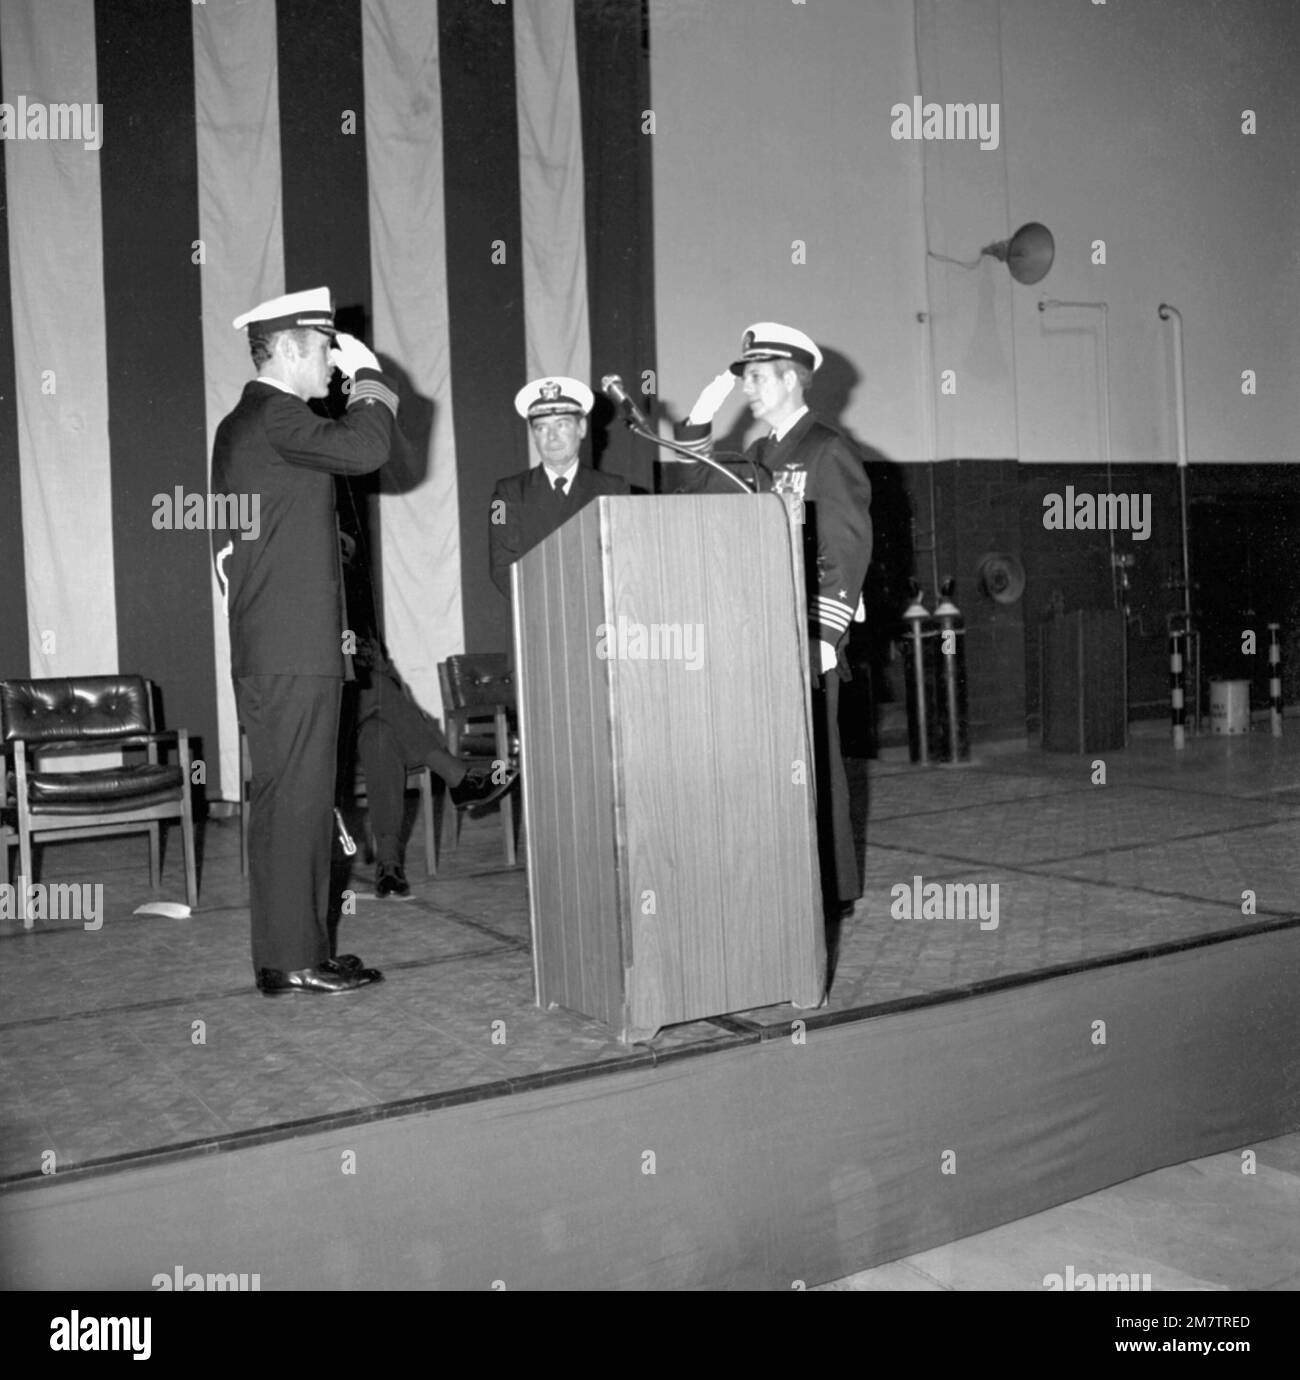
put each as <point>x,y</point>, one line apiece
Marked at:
<point>155,855</point>
<point>191,864</point>
<point>191,869</point>
<point>508,821</point>
<point>430,834</point>
<point>25,864</point>
<point>187,824</point>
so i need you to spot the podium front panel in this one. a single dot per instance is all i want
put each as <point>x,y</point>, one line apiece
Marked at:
<point>575,898</point>
<point>661,648</point>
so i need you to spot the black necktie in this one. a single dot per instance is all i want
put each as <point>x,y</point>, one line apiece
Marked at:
<point>559,487</point>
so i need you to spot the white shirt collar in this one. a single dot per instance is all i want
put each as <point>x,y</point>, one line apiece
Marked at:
<point>566,474</point>
<point>275,383</point>
<point>784,429</point>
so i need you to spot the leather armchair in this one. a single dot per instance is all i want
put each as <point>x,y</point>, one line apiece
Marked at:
<point>85,715</point>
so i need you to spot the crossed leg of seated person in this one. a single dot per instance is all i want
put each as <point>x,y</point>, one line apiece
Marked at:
<point>394,737</point>
<point>389,746</point>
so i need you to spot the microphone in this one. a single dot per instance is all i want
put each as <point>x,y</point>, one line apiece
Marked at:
<point>612,386</point>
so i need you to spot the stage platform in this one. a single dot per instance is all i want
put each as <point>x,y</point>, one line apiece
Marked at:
<point>1122,1014</point>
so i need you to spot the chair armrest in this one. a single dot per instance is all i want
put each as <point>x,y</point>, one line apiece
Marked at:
<point>36,747</point>
<point>102,742</point>
<point>475,712</point>
<point>150,741</point>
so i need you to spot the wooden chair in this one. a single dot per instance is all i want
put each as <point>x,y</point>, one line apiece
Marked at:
<point>478,702</point>
<point>87,715</point>
<point>419,777</point>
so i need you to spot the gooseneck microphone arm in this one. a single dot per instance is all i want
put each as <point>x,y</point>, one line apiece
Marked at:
<point>689,454</point>
<point>612,385</point>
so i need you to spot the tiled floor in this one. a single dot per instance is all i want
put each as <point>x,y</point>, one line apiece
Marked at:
<point>147,1033</point>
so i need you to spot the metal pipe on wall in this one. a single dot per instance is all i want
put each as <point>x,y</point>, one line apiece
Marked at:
<point>931,442</point>
<point>1166,313</point>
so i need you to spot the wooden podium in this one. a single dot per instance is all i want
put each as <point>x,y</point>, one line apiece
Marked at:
<point>661,662</point>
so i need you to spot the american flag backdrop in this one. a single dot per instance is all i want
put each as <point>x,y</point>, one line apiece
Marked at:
<point>470,179</point>
<point>476,182</point>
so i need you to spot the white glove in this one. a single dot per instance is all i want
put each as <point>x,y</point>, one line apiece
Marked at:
<point>712,398</point>
<point>829,656</point>
<point>349,355</point>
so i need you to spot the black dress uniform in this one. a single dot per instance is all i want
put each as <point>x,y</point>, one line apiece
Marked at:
<point>284,599</point>
<point>526,510</point>
<point>818,464</point>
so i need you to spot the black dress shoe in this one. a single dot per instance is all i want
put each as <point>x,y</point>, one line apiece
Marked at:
<point>274,983</point>
<point>390,880</point>
<point>351,966</point>
<point>477,790</point>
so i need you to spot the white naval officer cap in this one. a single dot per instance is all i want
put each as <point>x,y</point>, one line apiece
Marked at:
<point>770,340</point>
<point>556,396</point>
<point>293,311</point>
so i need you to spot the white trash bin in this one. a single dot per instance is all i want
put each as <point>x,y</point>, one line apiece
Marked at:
<point>1229,706</point>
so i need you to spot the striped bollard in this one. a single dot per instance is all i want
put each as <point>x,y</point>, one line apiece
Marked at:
<point>1275,679</point>
<point>952,663</point>
<point>918,711</point>
<point>1177,710</point>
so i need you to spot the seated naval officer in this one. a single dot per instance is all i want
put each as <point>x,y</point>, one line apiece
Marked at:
<point>284,601</point>
<point>394,734</point>
<point>528,507</point>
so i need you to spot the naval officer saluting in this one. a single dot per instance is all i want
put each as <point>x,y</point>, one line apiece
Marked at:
<point>284,600</point>
<point>820,467</point>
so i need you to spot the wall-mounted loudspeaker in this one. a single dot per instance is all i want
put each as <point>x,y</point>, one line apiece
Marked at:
<point>1001,577</point>
<point>1028,254</point>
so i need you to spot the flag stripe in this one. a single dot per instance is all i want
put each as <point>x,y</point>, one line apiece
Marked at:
<point>152,300</point>
<point>57,292</point>
<point>237,116</point>
<point>483,215</point>
<point>326,226</point>
<point>551,191</point>
<point>323,168</point>
<point>614,77</point>
<point>15,661</point>
<point>420,519</point>
<point>485,299</point>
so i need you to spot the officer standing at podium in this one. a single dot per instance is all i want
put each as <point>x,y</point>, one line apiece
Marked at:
<point>816,464</point>
<point>283,594</point>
